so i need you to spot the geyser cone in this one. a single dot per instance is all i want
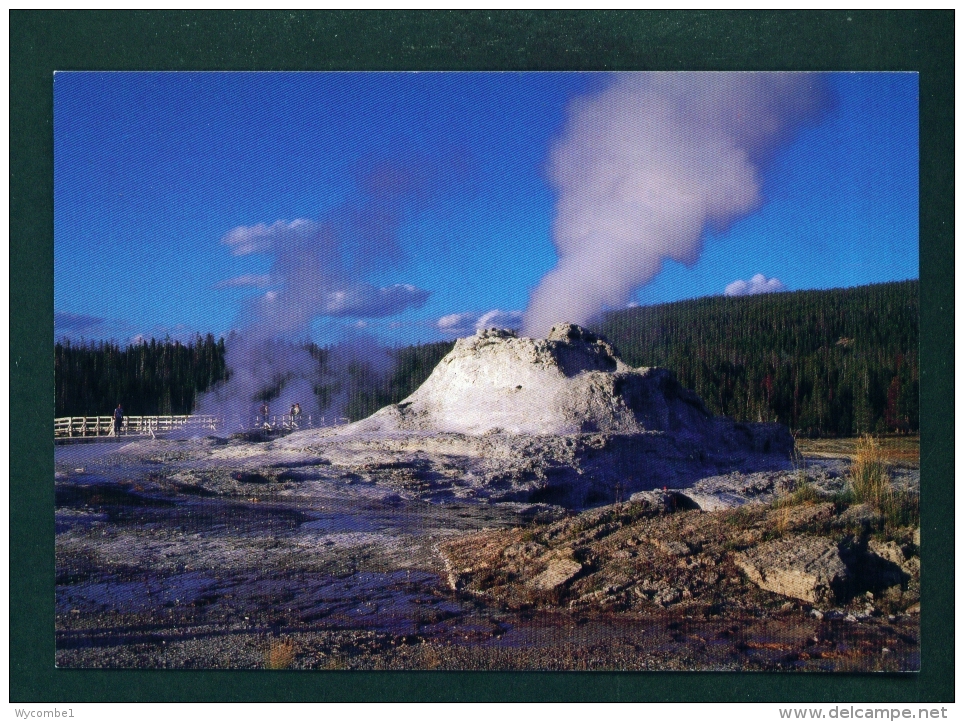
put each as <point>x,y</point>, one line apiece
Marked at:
<point>559,420</point>
<point>570,382</point>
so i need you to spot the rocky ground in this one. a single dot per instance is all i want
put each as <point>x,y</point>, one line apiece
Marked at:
<point>808,573</point>
<point>215,553</point>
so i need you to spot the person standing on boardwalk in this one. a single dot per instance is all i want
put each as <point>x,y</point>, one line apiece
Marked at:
<point>118,419</point>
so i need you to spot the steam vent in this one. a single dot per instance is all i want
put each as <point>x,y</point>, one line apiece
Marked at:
<point>560,420</point>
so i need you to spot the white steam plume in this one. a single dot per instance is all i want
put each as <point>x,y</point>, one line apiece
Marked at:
<point>317,272</point>
<point>645,166</point>
<point>309,279</point>
<point>258,363</point>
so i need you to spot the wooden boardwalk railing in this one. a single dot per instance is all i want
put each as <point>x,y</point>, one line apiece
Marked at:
<point>282,422</point>
<point>87,427</point>
<point>80,427</point>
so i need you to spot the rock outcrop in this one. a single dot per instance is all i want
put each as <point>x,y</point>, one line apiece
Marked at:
<point>559,571</point>
<point>802,567</point>
<point>646,555</point>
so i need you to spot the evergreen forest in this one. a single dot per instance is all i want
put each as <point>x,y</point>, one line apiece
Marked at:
<point>825,363</point>
<point>151,378</point>
<point>368,390</point>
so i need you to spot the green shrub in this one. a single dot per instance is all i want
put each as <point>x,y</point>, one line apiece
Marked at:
<point>803,493</point>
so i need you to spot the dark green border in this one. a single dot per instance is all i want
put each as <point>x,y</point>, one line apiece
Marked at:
<point>41,42</point>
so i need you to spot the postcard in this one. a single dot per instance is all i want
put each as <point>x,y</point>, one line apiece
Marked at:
<point>487,371</point>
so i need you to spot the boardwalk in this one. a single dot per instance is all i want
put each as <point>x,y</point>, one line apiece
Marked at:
<point>69,428</point>
<point>85,427</point>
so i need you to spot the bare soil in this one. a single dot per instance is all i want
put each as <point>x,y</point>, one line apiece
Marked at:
<point>900,450</point>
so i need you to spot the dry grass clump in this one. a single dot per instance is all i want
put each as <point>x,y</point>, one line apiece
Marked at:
<point>869,473</point>
<point>870,484</point>
<point>902,509</point>
<point>281,654</point>
<point>429,657</point>
<point>804,492</point>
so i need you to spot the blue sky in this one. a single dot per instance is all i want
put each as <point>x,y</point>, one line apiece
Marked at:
<point>416,196</point>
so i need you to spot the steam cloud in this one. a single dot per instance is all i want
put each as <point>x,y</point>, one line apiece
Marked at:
<point>316,272</point>
<point>310,279</point>
<point>646,166</point>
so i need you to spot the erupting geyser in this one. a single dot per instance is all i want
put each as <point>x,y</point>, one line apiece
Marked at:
<point>644,167</point>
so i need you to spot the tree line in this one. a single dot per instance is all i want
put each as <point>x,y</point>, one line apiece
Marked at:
<point>167,377</point>
<point>825,363</point>
<point>369,390</point>
<point>150,378</point>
